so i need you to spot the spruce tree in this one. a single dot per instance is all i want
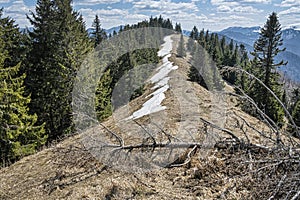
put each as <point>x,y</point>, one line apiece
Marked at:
<point>59,44</point>
<point>181,51</point>
<point>194,35</point>
<point>202,38</point>
<point>98,35</point>
<point>19,134</point>
<point>16,43</point>
<point>242,80</point>
<point>266,48</point>
<point>200,64</point>
<point>296,113</point>
<point>178,28</point>
<point>103,97</point>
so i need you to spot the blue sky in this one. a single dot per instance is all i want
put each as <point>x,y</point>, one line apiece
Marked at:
<point>209,14</point>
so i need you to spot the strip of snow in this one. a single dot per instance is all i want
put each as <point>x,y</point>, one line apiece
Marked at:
<point>160,79</point>
<point>166,47</point>
<point>161,83</point>
<point>153,104</point>
<point>163,72</point>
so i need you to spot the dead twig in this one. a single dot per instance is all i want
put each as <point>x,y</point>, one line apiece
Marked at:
<point>236,69</point>
<point>121,141</point>
<point>221,129</point>
<point>187,159</point>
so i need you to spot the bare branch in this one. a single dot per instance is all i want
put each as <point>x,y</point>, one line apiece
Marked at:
<point>275,96</point>
<point>221,129</point>
<point>150,135</point>
<point>121,141</point>
<point>188,159</point>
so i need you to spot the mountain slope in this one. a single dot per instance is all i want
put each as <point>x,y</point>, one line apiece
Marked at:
<point>291,41</point>
<point>223,156</point>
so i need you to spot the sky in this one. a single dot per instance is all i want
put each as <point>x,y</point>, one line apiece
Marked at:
<point>214,15</point>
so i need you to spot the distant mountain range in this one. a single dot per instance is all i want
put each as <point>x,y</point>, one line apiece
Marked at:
<point>108,31</point>
<point>247,36</point>
<point>291,41</point>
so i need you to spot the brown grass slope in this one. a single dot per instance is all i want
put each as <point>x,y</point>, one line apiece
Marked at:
<point>237,156</point>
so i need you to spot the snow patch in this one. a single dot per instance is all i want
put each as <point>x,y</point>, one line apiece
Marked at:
<point>160,79</point>
<point>166,47</point>
<point>163,72</point>
<point>153,104</point>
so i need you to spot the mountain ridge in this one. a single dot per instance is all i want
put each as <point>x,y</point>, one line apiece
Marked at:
<point>216,163</point>
<point>247,36</point>
<point>291,41</point>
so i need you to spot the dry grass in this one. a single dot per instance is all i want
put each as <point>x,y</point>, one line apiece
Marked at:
<point>225,168</point>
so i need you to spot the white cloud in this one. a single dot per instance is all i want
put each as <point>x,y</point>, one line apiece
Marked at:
<point>18,10</point>
<point>257,1</point>
<point>246,9</point>
<point>218,22</point>
<point>228,6</point>
<point>238,9</point>
<point>289,3</point>
<point>4,1</point>
<point>164,5</point>
<point>290,11</point>
<point>103,12</point>
<point>94,2</point>
<point>224,3</point>
<point>112,17</point>
<point>223,8</point>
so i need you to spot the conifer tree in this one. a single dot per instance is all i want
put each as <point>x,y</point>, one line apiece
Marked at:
<point>103,97</point>
<point>199,71</point>
<point>223,45</point>
<point>98,35</point>
<point>207,36</point>
<point>114,33</point>
<point>19,134</point>
<point>242,80</point>
<point>296,113</point>
<point>181,51</point>
<point>59,44</point>
<point>202,38</point>
<point>266,48</point>
<point>231,45</point>
<point>195,33</point>
<point>178,28</point>
<point>193,36</point>
<point>16,43</point>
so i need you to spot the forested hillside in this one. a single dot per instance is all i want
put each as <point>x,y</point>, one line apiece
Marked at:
<point>44,62</point>
<point>291,38</point>
<point>200,108</point>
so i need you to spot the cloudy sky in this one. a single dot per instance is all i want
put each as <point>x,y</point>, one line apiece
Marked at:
<point>209,14</point>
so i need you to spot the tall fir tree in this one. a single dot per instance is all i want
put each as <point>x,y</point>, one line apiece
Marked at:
<point>266,48</point>
<point>59,44</point>
<point>194,35</point>
<point>181,50</point>
<point>19,134</point>
<point>16,43</point>
<point>98,35</point>
<point>103,97</point>
<point>242,80</point>
<point>178,28</point>
<point>296,113</point>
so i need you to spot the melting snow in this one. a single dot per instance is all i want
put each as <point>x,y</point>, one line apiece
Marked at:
<point>160,79</point>
<point>166,47</point>
<point>163,72</point>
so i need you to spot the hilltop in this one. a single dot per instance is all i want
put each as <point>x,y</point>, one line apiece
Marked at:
<point>228,154</point>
